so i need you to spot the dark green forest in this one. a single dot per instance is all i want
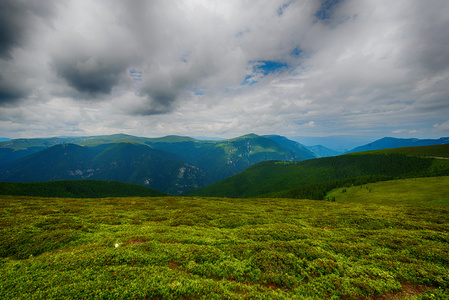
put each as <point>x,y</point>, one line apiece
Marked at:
<point>77,189</point>
<point>312,179</point>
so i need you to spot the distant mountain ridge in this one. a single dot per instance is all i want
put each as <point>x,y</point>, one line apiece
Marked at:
<point>322,151</point>
<point>170,164</point>
<point>293,146</point>
<point>390,142</point>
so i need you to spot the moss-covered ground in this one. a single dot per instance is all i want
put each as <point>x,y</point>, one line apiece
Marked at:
<point>219,248</point>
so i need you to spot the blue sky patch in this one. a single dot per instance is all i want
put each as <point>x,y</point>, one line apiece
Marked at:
<point>261,69</point>
<point>135,74</point>
<point>283,7</point>
<point>197,92</point>
<point>249,80</point>
<point>267,67</point>
<point>325,11</point>
<point>296,52</point>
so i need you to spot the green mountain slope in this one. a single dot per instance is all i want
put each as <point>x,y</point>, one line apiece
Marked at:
<point>127,162</point>
<point>77,189</point>
<point>275,177</point>
<point>64,161</point>
<point>322,151</point>
<point>213,160</point>
<point>293,146</point>
<point>221,159</point>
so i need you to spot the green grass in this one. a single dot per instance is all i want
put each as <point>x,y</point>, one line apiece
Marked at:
<point>220,248</point>
<point>416,191</point>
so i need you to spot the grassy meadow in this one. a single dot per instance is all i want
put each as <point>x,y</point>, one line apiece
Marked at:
<point>221,248</point>
<point>414,191</point>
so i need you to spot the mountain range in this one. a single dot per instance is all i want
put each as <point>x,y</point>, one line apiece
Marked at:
<point>390,142</point>
<point>171,164</point>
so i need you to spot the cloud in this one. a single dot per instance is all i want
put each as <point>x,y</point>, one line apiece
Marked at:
<point>10,91</point>
<point>427,38</point>
<point>225,67</point>
<point>397,131</point>
<point>16,18</point>
<point>92,75</point>
<point>442,126</point>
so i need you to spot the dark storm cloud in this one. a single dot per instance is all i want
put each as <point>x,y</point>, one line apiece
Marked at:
<point>15,20</point>
<point>10,92</point>
<point>92,75</point>
<point>157,100</point>
<point>17,23</point>
<point>160,103</point>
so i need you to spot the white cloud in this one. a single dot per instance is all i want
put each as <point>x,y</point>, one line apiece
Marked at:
<point>444,127</point>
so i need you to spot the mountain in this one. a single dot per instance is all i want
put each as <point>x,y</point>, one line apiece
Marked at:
<point>321,151</point>
<point>170,164</point>
<point>126,162</point>
<point>293,146</point>
<point>390,142</point>
<point>341,143</point>
<point>63,161</point>
<point>17,148</point>
<point>278,179</point>
<point>221,159</point>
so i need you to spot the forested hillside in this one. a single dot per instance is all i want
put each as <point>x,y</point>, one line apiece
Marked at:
<point>126,162</point>
<point>77,189</point>
<point>313,178</point>
<point>171,164</point>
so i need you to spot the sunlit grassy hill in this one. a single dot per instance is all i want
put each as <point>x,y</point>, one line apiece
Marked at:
<point>415,191</point>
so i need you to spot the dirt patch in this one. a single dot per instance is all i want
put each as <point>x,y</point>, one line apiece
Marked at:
<point>136,241</point>
<point>173,265</point>
<point>409,290</point>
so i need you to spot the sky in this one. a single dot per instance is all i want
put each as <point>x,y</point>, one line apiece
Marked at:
<point>350,68</point>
